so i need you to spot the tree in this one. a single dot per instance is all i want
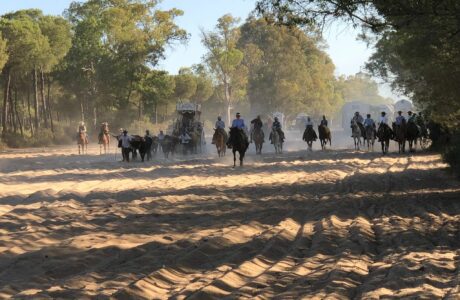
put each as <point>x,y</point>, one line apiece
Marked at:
<point>288,71</point>
<point>417,43</point>
<point>186,84</point>
<point>361,87</point>
<point>3,52</point>
<point>224,60</point>
<point>112,45</point>
<point>156,88</point>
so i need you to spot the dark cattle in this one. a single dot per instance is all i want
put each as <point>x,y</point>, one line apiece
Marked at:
<point>169,145</point>
<point>142,145</point>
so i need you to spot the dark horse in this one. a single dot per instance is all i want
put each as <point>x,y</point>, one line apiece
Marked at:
<point>384,135</point>
<point>324,136</point>
<point>169,145</point>
<point>309,136</point>
<point>239,144</point>
<point>412,134</point>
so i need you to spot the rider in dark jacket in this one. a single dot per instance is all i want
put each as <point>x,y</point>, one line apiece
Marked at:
<point>256,125</point>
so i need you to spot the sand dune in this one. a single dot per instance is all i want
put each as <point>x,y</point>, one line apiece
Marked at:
<point>333,224</point>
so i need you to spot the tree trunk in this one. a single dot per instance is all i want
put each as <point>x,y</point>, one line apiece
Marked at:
<point>16,110</point>
<point>30,113</point>
<point>44,111</point>
<point>5,102</point>
<point>12,112</point>
<point>82,109</point>
<point>156,114</point>
<point>228,103</point>
<point>36,105</point>
<point>50,111</point>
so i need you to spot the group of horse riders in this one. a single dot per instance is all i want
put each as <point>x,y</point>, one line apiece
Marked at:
<point>256,127</point>
<point>413,118</point>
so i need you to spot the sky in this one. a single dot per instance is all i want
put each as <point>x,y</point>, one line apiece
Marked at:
<point>348,54</point>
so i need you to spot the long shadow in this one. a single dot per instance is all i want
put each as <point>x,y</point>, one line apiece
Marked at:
<point>150,257</point>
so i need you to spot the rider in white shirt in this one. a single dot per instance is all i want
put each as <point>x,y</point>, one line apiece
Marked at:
<point>400,120</point>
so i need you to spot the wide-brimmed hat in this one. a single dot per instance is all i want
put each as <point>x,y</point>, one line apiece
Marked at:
<point>238,114</point>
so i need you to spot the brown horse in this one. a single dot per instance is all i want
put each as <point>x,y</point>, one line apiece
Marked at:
<point>82,141</point>
<point>104,138</point>
<point>258,137</point>
<point>324,136</point>
<point>220,141</point>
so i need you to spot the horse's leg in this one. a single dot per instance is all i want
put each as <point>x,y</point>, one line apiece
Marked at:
<point>234,157</point>
<point>241,158</point>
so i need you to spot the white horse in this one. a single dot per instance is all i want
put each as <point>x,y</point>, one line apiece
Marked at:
<point>356,134</point>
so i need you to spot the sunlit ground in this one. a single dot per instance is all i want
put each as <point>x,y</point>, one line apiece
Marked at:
<point>343,224</point>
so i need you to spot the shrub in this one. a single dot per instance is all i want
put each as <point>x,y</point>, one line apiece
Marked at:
<point>64,134</point>
<point>42,137</point>
<point>451,154</point>
<point>14,140</point>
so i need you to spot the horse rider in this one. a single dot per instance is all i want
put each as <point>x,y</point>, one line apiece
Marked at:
<point>420,121</point>
<point>369,122</point>
<point>400,120</point>
<point>412,117</point>
<point>324,121</point>
<point>104,130</point>
<point>82,130</point>
<point>257,125</point>
<point>125,140</point>
<point>309,126</point>
<point>220,127</point>
<point>238,123</point>
<point>277,126</point>
<point>383,123</point>
<point>359,120</point>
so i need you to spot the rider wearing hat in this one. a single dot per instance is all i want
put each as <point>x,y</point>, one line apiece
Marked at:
<point>238,123</point>
<point>220,127</point>
<point>400,120</point>
<point>277,126</point>
<point>256,125</point>
<point>82,130</point>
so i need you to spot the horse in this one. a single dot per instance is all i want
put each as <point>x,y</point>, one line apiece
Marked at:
<point>324,136</point>
<point>400,136</point>
<point>219,141</point>
<point>309,136</point>
<point>412,134</point>
<point>239,144</point>
<point>155,144</point>
<point>356,134</point>
<point>169,145</point>
<point>258,137</point>
<point>104,138</point>
<point>277,142</point>
<point>384,135</point>
<point>370,137</point>
<point>82,142</point>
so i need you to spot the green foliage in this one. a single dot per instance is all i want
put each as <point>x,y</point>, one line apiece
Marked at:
<point>186,84</point>
<point>451,154</point>
<point>3,52</point>
<point>361,87</point>
<point>288,71</point>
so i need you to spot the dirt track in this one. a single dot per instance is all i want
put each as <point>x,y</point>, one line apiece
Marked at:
<point>341,224</point>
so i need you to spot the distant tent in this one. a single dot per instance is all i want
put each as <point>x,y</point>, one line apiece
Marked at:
<point>404,106</point>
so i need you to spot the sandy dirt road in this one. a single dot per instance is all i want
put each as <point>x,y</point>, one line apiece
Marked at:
<point>338,224</point>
